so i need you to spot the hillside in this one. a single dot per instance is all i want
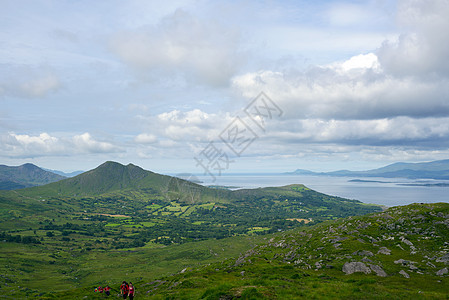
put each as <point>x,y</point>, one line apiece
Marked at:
<point>428,170</point>
<point>399,253</point>
<point>26,175</point>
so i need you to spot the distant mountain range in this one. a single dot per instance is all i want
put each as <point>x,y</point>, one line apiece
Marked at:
<point>26,175</point>
<point>427,170</point>
<point>71,174</point>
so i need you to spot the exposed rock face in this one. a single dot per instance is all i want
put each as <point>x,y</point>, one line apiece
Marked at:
<point>403,273</point>
<point>353,267</point>
<point>405,241</point>
<point>384,250</point>
<point>444,258</point>
<point>378,270</point>
<point>363,253</point>
<point>442,272</point>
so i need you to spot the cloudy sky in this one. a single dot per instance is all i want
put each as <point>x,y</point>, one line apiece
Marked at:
<point>172,86</point>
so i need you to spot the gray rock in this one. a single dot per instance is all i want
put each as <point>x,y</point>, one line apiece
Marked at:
<point>354,267</point>
<point>442,272</point>
<point>363,253</point>
<point>404,262</point>
<point>405,241</point>
<point>337,239</point>
<point>444,258</point>
<point>366,253</point>
<point>403,273</point>
<point>378,270</point>
<point>384,250</point>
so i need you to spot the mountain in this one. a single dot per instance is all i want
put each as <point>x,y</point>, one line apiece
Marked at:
<point>401,253</point>
<point>71,174</point>
<point>112,179</point>
<point>426,170</point>
<point>26,175</point>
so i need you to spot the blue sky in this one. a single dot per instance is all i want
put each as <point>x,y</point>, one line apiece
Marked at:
<point>360,84</point>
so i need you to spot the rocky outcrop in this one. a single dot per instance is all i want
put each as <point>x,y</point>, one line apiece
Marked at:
<point>403,273</point>
<point>444,258</point>
<point>384,250</point>
<point>442,272</point>
<point>354,267</point>
<point>378,270</point>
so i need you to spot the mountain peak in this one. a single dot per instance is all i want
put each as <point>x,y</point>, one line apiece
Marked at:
<point>26,175</point>
<point>108,177</point>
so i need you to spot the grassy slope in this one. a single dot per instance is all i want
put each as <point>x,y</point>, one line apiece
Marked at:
<point>308,263</point>
<point>27,271</point>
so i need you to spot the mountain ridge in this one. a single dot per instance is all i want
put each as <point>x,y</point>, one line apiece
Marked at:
<point>107,177</point>
<point>26,175</point>
<point>426,170</point>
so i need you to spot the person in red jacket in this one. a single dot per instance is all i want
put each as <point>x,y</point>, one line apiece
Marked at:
<point>124,289</point>
<point>107,290</point>
<point>131,291</point>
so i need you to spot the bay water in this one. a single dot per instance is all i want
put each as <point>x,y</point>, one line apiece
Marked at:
<point>383,191</point>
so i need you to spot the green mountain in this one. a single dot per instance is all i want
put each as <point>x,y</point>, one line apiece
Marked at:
<point>112,177</point>
<point>429,170</point>
<point>26,175</point>
<point>401,253</point>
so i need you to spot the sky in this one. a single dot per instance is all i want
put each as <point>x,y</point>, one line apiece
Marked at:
<point>224,86</point>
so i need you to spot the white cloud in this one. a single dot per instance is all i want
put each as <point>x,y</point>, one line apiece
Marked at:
<point>193,126</point>
<point>341,91</point>
<point>182,45</point>
<point>85,143</point>
<point>396,131</point>
<point>145,138</point>
<point>361,61</point>
<point>423,49</point>
<point>44,144</point>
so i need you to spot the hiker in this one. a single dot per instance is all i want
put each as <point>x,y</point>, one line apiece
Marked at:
<point>124,289</point>
<point>131,291</point>
<point>107,290</point>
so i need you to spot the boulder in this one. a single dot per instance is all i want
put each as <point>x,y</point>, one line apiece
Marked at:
<point>405,241</point>
<point>403,273</point>
<point>444,258</point>
<point>363,253</point>
<point>384,250</point>
<point>442,272</point>
<point>378,270</point>
<point>354,267</point>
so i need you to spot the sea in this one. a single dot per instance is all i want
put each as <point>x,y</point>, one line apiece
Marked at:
<point>383,191</point>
